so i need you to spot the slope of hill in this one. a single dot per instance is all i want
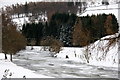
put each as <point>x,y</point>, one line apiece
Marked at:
<point>107,9</point>
<point>97,50</point>
<point>99,53</point>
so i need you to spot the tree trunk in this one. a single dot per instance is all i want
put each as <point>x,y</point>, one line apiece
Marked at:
<point>5,56</point>
<point>11,57</point>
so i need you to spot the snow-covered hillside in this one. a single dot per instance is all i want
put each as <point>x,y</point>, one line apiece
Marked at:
<point>22,19</point>
<point>107,9</point>
<point>96,53</point>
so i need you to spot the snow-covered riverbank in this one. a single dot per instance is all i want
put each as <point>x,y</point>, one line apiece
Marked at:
<point>99,53</point>
<point>11,70</point>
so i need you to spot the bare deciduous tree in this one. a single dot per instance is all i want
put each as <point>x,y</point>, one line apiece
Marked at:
<point>12,40</point>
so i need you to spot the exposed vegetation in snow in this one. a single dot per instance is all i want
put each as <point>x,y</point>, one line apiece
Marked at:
<point>103,52</point>
<point>11,70</point>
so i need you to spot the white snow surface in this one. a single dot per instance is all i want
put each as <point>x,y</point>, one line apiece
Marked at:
<point>20,21</point>
<point>16,71</point>
<point>107,9</point>
<point>97,53</point>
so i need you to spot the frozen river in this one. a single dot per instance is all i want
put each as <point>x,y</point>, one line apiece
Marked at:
<point>42,63</point>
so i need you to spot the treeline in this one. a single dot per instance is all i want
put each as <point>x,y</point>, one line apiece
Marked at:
<point>42,7</point>
<point>71,30</point>
<point>59,27</point>
<point>88,29</point>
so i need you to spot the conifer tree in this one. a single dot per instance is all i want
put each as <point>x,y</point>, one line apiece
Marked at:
<point>108,25</point>
<point>81,36</point>
<point>77,32</point>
